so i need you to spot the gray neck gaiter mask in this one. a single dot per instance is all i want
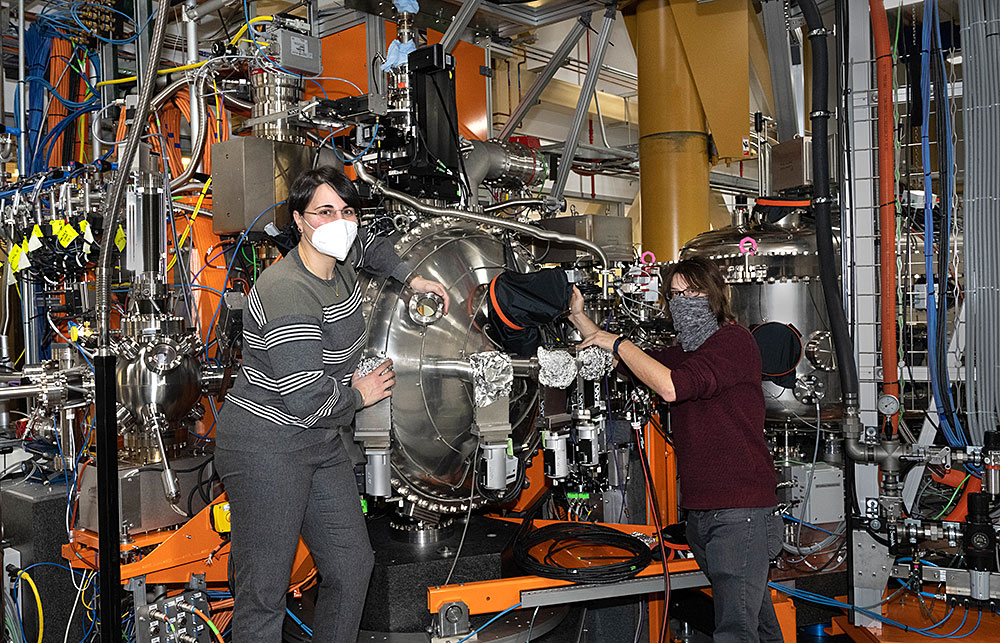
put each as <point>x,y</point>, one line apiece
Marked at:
<point>694,321</point>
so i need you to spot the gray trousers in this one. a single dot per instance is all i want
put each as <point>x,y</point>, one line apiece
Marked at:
<point>735,547</point>
<point>275,497</point>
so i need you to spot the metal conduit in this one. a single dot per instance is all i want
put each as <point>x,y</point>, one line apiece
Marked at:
<point>465,215</point>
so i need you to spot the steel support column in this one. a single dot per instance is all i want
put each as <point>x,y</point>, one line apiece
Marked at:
<point>108,521</point>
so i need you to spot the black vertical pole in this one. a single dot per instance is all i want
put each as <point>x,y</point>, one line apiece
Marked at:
<point>108,521</point>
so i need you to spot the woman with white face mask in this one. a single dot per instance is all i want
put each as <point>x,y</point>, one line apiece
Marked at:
<point>713,381</point>
<point>284,445</point>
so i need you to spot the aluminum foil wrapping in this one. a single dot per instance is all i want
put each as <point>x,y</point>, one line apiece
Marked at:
<point>556,369</point>
<point>595,362</point>
<point>492,376</point>
<point>367,365</point>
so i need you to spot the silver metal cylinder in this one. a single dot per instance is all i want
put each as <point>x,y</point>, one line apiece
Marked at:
<point>273,94</point>
<point>991,471</point>
<point>22,104</point>
<point>588,447</point>
<point>495,465</point>
<point>19,392</point>
<point>556,456</point>
<point>505,164</point>
<point>377,473</point>
<point>191,33</point>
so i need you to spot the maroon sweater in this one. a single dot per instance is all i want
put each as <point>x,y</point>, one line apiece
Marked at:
<point>718,423</point>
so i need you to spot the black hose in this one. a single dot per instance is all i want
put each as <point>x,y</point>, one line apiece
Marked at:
<point>843,343</point>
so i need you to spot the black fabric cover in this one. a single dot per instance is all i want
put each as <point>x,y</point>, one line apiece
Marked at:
<point>780,352</point>
<point>528,300</point>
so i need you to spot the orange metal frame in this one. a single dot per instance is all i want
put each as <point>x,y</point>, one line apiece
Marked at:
<point>194,548</point>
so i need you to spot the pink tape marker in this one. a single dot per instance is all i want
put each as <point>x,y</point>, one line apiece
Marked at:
<point>650,260</point>
<point>748,241</point>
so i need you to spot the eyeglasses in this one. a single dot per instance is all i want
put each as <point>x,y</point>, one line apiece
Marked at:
<point>687,292</point>
<point>330,213</point>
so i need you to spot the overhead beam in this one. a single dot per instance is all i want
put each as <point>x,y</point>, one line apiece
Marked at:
<point>459,24</point>
<point>528,100</point>
<point>583,103</point>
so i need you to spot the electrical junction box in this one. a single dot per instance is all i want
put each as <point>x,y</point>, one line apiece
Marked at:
<point>791,164</point>
<point>826,499</point>
<point>613,234</point>
<point>299,53</point>
<point>250,174</point>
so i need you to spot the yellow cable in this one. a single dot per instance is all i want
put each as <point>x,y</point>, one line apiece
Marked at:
<point>236,39</point>
<point>38,602</point>
<point>169,70</point>
<point>194,215</point>
<point>246,25</point>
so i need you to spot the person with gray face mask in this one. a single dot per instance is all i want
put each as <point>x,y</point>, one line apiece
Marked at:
<point>712,381</point>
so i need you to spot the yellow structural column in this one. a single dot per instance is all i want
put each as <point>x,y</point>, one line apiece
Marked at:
<point>673,134</point>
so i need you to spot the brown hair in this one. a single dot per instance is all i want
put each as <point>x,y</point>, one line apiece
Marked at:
<point>704,275</point>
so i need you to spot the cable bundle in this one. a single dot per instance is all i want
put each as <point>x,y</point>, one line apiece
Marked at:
<point>566,537</point>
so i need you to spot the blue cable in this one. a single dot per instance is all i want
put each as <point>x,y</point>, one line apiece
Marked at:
<point>834,603</point>
<point>305,628</point>
<point>345,161</point>
<point>922,562</point>
<point>487,623</point>
<point>236,251</point>
<point>807,524</point>
<point>112,41</point>
<point>932,357</point>
<point>944,111</point>
<point>197,287</point>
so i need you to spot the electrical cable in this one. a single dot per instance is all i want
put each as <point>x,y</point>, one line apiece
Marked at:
<point>468,517</point>
<point>218,635</point>
<point>38,601</point>
<point>487,623</point>
<point>831,602</point>
<point>531,624</point>
<point>809,483</point>
<point>567,536</point>
<point>655,507</point>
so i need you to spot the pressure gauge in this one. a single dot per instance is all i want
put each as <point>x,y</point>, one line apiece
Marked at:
<point>888,404</point>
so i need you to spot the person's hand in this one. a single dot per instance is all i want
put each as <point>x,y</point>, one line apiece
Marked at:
<point>377,385</point>
<point>419,284</point>
<point>601,338</point>
<point>576,302</point>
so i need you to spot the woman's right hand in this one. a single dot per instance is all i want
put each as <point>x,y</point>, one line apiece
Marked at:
<point>377,385</point>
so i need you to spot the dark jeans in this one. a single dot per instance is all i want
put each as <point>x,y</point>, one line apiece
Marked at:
<point>735,547</point>
<point>274,497</point>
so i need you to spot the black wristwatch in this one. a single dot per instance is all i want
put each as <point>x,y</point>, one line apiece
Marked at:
<point>614,347</point>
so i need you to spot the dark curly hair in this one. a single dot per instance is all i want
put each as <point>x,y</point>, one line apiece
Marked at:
<point>304,187</point>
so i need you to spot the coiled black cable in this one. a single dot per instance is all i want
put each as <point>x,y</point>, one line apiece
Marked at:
<point>567,536</point>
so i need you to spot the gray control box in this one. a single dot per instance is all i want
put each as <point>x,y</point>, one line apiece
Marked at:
<point>299,53</point>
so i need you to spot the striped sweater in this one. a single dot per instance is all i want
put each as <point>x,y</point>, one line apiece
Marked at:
<point>302,339</point>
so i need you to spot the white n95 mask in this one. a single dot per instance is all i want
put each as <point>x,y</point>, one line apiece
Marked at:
<point>335,238</point>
